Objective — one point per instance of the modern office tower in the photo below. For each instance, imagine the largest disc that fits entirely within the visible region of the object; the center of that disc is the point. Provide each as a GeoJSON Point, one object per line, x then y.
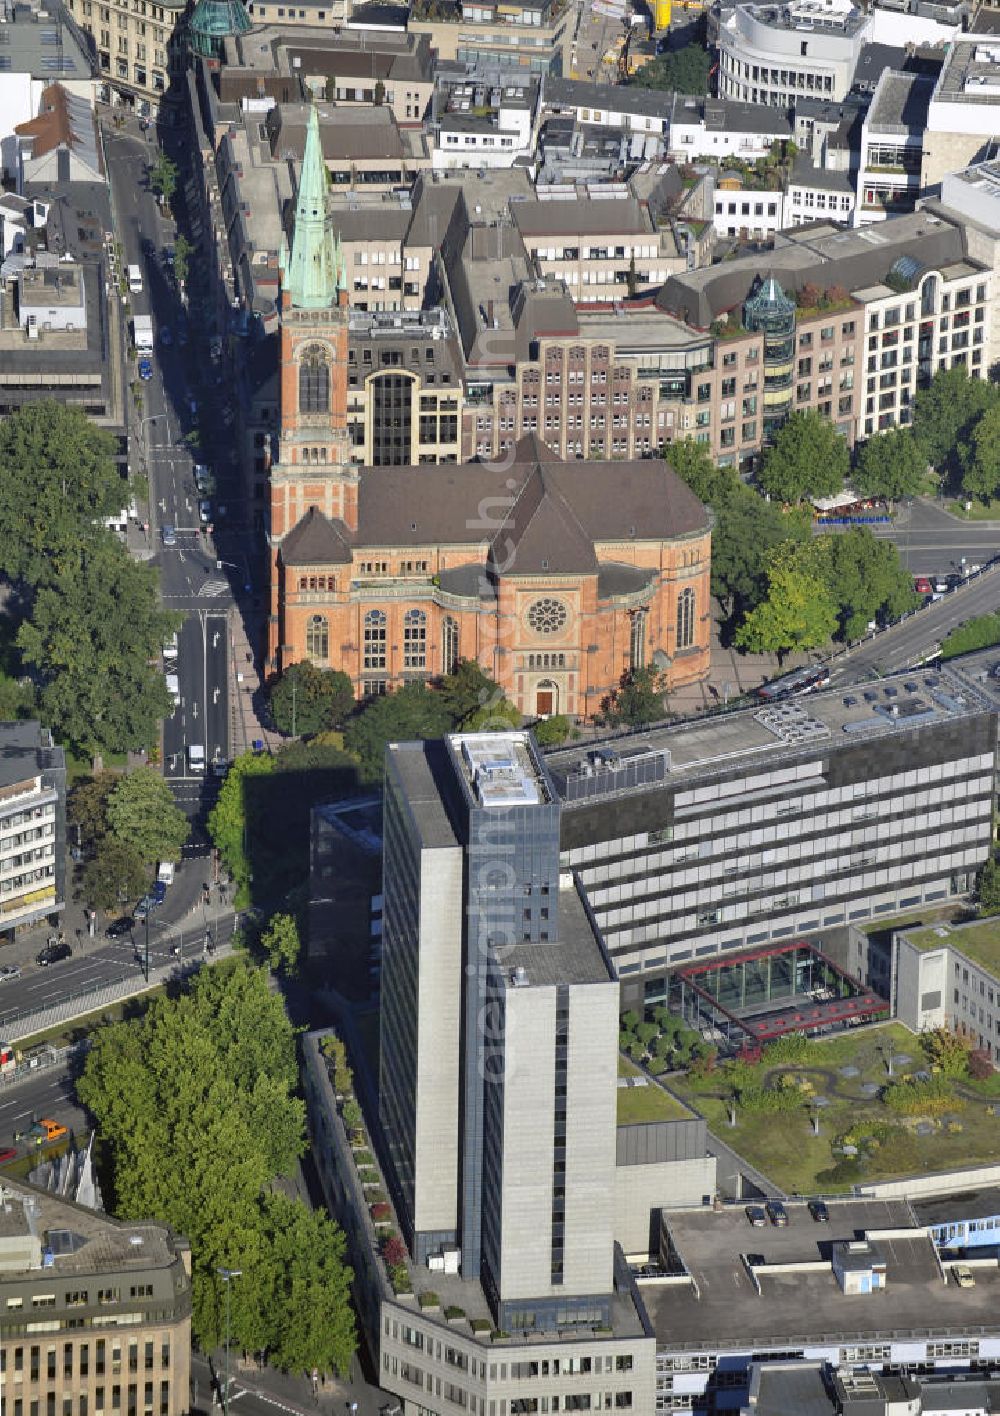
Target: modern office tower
{"type": "Point", "coordinates": [499, 1027]}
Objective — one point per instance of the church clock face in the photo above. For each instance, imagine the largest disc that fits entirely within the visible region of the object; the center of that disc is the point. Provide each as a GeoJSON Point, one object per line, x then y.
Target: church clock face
{"type": "Point", "coordinates": [547, 615]}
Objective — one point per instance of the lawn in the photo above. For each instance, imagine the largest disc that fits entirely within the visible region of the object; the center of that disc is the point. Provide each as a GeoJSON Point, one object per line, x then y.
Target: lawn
{"type": "Point", "coordinates": [979, 511]}
{"type": "Point", "coordinates": [783, 1146]}
{"type": "Point", "coordinates": [648, 1103]}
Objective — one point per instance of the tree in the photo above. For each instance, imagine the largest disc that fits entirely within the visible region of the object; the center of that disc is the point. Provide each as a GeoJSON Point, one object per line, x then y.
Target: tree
{"type": "Point", "coordinates": [114, 875]}
{"type": "Point", "coordinates": [378, 97]}
{"type": "Point", "coordinates": [413, 711]}
{"type": "Point", "coordinates": [496, 717]}
{"type": "Point", "coordinates": [988, 888]}
{"type": "Point", "coordinates": [551, 732]}
{"type": "Point", "coordinates": [632, 279]}
{"type": "Point", "coordinates": [892, 465]}
{"type": "Point", "coordinates": [865, 579]}
{"type": "Point", "coordinates": [17, 699]}
{"type": "Point", "coordinates": [183, 250]}
{"type": "Point", "coordinates": [980, 456]}
{"type": "Point", "coordinates": [57, 483]}
{"type": "Point", "coordinates": [808, 458]}
{"type": "Point", "coordinates": [307, 700]}
{"type": "Point", "coordinates": [947, 1052]}
{"type": "Point", "coordinates": [227, 821]}
{"type": "Point", "coordinates": [797, 613]}
{"type": "Point", "coordinates": [693, 463]}
{"type": "Point", "coordinates": [945, 411]}
{"type": "Point", "coordinates": [141, 812]}
{"type": "Point", "coordinates": [163, 176]}
{"type": "Point", "coordinates": [281, 944]}
{"type": "Point", "coordinates": [982, 632]}
{"type": "Point", "coordinates": [637, 700]}
{"type": "Point", "coordinates": [197, 1107]}
{"type": "Point", "coordinates": [684, 71]}
{"type": "Point", "coordinates": [466, 689]}
{"type": "Point", "coordinates": [87, 807]}
{"type": "Point", "coordinates": [93, 638]}
{"type": "Point", "coordinates": [747, 531]}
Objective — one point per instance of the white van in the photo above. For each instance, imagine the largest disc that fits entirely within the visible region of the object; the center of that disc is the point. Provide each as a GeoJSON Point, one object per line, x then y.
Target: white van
{"type": "Point", "coordinates": [170, 648]}
{"type": "Point", "coordinates": [135, 280]}
{"type": "Point", "coordinates": [165, 872]}
{"type": "Point", "coordinates": [174, 689]}
{"type": "Point", "coordinates": [196, 759]}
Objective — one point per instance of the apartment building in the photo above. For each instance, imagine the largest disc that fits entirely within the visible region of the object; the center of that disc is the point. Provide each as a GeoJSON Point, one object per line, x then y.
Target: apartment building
{"type": "Point", "coordinates": [532, 35]}
{"type": "Point", "coordinates": [633, 110]}
{"type": "Point", "coordinates": [97, 1311]}
{"type": "Point", "coordinates": [817, 194]}
{"type": "Point", "coordinates": [962, 116]}
{"type": "Point", "coordinates": [138, 45]}
{"type": "Point", "coordinates": [774, 54]}
{"type": "Point", "coordinates": [892, 139]}
{"type": "Point", "coordinates": [712, 128]}
{"type": "Point", "coordinates": [947, 976]}
{"type": "Point", "coordinates": [32, 825]}
{"type": "Point", "coordinates": [781, 821]}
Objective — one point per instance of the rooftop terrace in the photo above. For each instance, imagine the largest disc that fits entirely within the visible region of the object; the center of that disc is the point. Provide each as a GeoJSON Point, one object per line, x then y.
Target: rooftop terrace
{"type": "Point", "coordinates": [979, 941]}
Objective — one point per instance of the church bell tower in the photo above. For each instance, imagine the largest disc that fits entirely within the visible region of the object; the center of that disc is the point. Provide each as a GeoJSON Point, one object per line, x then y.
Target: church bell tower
{"type": "Point", "coordinates": [313, 467]}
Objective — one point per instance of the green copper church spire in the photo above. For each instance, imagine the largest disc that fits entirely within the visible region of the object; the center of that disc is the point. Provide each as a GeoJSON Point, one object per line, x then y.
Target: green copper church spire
{"type": "Point", "coordinates": [314, 272]}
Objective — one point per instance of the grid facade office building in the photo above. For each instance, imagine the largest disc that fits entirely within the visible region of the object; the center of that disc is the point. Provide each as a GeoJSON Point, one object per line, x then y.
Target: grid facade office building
{"type": "Point", "coordinates": [499, 1033]}
{"type": "Point", "coordinates": [780, 821]}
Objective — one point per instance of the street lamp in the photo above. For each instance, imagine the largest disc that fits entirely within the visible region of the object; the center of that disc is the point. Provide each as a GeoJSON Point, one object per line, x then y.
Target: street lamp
{"type": "Point", "coordinates": [226, 1274]}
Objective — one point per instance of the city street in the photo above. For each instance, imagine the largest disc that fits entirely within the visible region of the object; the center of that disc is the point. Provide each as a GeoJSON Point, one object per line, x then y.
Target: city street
{"type": "Point", "coordinates": [50, 1093]}
{"type": "Point", "coordinates": [931, 541]}
{"type": "Point", "coordinates": [175, 405]}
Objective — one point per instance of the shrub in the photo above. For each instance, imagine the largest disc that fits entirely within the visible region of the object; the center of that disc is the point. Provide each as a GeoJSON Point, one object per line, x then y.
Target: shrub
{"type": "Point", "coordinates": [793, 1047]}
{"type": "Point", "coordinates": [911, 1096]}
{"type": "Point", "coordinates": [703, 1063]}
{"type": "Point", "coordinates": [380, 1211]}
{"type": "Point", "coordinates": [452, 1313]}
{"type": "Point", "coordinates": [351, 1112]}
{"type": "Point", "coordinates": [646, 1033]}
{"type": "Point", "coordinates": [393, 1251]}
{"type": "Point", "coordinates": [980, 1066]}
{"type": "Point", "coordinates": [429, 1300]}
{"type": "Point", "coordinates": [630, 1020]}
{"type": "Point", "coordinates": [551, 732]}
{"type": "Point", "coordinates": [399, 1277]}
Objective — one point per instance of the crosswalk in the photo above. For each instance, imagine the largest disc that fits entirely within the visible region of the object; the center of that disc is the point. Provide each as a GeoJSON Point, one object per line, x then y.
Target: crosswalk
{"type": "Point", "coordinates": [214, 587]}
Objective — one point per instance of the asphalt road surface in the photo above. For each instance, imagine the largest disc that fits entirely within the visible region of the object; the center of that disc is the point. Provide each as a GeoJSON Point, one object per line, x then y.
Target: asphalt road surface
{"type": "Point", "coordinates": [906, 643]}
{"type": "Point", "coordinates": [98, 962]}
{"type": "Point", "coordinates": [174, 401]}
{"type": "Point", "coordinates": [932, 542]}
{"type": "Point", "coordinates": [50, 1093]}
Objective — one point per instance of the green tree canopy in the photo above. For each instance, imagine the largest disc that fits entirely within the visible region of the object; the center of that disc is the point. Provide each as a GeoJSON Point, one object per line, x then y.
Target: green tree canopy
{"type": "Point", "coordinates": [163, 176]}
{"type": "Point", "coordinates": [684, 70]}
{"type": "Point", "coordinates": [114, 876]}
{"type": "Point", "coordinates": [307, 700]}
{"type": "Point", "coordinates": [892, 465]}
{"type": "Point", "coordinates": [467, 689]}
{"type": "Point", "coordinates": [980, 456]}
{"type": "Point", "coordinates": [196, 1105]}
{"type": "Point", "coordinates": [552, 731]}
{"type": "Point", "coordinates": [57, 483]}
{"type": "Point", "coordinates": [280, 943]}
{"type": "Point", "coordinates": [693, 463]}
{"type": "Point", "coordinates": [747, 531]}
{"type": "Point", "coordinates": [944, 412]}
{"type": "Point", "coordinates": [865, 579]}
{"type": "Point", "coordinates": [988, 888]}
{"type": "Point", "coordinates": [979, 633]}
{"type": "Point", "coordinates": [638, 699]}
{"type": "Point", "coordinates": [227, 821]}
{"type": "Point", "coordinates": [413, 711]}
{"type": "Point", "coordinates": [808, 458]}
{"type": "Point", "coordinates": [797, 613]}
{"type": "Point", "coordinates": [92, 638]}
{"type": "Point", "coordinates": [87, 807]}
{"type": "Point", "coordinates": [141, 812]}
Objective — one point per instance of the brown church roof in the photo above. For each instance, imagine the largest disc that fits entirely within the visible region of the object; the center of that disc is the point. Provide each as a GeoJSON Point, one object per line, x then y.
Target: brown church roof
{"type": "Point", "coordinates": [317, 540]}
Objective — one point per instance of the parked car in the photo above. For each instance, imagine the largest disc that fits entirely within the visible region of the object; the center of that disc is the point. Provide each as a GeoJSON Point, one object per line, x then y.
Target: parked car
{"type": "Point", "coordinates": [777, 1213]}
{"type": "Point", "coordinates": [756, 1216]}
{"type": "Point", "coordinates": [165, 872]}
{"type": "Point", "coordinates": [819, 1211]}
{"type": "Point", "coordinates": [9, 972]}
{"type": "Point", "coordinates": [922, 585]}
{"type": "Point", "coordinates": [143, 907]}
{"type": "Point", "coordinates": [53, 953]}
{"type": "Point", "coordinates": [8, 1153]}
{"type": "Point", "coordinates": [145, 369]}
{"type": "Point", "coordinates": [158, 893]}
{"type": "Point", "coordinates": [120, 927]}
{"type": "Point", "coordinates": [169, 535]}
{"type": "Point", "coordinates": [963, 1276]}
{"type": "Point", "coordinates": [205, 511]}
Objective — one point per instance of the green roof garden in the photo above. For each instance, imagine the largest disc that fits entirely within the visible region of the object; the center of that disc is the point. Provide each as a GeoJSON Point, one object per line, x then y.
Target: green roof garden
{"type": "Point", "coordinates": [979, 942]}
{"type": "Point", "coordinates": [649, 1103]}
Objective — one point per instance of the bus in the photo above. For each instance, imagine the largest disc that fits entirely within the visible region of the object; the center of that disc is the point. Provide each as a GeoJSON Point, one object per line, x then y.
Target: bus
{"type": "Point", "coordinates": [805, 680]}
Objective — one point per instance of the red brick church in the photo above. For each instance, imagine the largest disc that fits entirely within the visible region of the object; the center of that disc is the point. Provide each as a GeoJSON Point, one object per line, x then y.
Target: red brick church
{"type": "Point", "coordinates": [556, 576]}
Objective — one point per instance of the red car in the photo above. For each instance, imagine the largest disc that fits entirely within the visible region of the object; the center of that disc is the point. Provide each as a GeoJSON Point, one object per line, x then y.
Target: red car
{"type": "Point", "coordinates": [923, 586]}
{"type": "Point", "coordinates": [8, 1153]}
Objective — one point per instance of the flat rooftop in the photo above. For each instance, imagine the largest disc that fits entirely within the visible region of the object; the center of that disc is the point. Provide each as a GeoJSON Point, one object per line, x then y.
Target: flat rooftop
{"type": "Point", "coordinates": [575, 957]}
{"type": "Point", "coordinates": [81, 1240]}
{"type": "Point", "coordinates": [971, 72]}
{"type": "Point", "coordinates": [949, 1209]}
{"type": "Point", "coordinates": [978, 941]}
{"type": "Point", "coordinates": [421, 767]}
{"type": "Point", "coordinates": [752, 736]}
{"type": "Point", "coordinates": [724, 1310]}
{"type": "Point", "coordinates": [499, 768]}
